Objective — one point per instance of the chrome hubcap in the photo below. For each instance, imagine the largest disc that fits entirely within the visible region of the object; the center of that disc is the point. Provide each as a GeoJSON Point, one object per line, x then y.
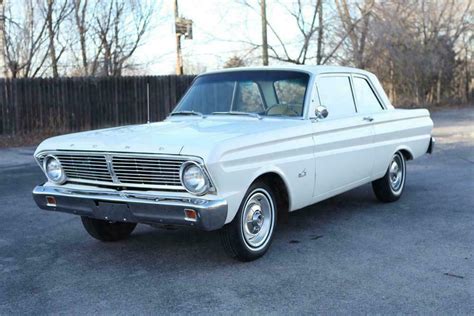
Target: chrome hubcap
{"type": "Point", "coordinates": [396, 173]}
{"type": "Point", "coordinates": [257, 219]}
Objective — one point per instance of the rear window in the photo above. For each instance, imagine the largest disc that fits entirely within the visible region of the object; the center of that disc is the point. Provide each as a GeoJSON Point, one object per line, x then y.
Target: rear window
{"type": "Point", "coordinates": [367, 102]}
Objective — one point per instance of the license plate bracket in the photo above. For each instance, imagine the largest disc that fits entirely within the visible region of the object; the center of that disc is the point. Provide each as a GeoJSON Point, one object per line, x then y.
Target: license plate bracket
{"type": "Point", "coordinates": [116, 212]}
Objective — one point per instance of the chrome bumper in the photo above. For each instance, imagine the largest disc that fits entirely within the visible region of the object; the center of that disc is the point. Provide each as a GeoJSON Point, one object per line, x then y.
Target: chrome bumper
{"type": "Point", "coordinates": [132, 206]}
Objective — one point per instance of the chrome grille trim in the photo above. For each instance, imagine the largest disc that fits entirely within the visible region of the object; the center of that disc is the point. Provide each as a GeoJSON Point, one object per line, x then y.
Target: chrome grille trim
{"type": "Point", "coordinates": [146, 170]}
{"type": "Point", "coordinates": [150, 171]}
{"type": "Point", "coordinates": [89, 167]}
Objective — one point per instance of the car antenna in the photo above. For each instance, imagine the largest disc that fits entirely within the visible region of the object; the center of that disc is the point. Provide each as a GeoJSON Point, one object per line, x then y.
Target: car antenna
{"type": "Point", "coordinates": [148, 103]}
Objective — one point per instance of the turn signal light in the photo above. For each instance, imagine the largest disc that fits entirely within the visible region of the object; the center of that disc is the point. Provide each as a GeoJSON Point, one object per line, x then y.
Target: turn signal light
{"type": "Point", "coordinates": [190, 215]}
{"type": "Point", "coordinates": [51, 201]}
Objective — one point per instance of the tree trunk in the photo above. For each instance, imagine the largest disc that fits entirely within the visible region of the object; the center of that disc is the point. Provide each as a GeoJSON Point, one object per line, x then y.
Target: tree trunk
{"type": "Point", "coordinates": [263, 12]}
{"type": "Point", "coordinates": [438, 87]}
{"type": "Point", "coordinates": [319, 54]}
{"type": "Point", "coordinates": [52, 49]}
{"type": "Point", "coordinates": [80, 21]}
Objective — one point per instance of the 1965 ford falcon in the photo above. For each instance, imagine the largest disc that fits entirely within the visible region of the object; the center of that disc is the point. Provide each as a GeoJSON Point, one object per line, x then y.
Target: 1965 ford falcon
{"type": "Point", "coordinates": [241, 148]}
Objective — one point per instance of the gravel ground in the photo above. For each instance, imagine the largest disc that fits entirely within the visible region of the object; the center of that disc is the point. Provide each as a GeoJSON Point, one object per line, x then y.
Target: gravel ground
{"type": "Point", "coordinates": [349, 254]}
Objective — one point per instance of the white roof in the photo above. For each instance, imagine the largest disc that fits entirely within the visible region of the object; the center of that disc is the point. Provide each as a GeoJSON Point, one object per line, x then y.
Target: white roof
{"type": "Point", "coordinates": [313, 69]}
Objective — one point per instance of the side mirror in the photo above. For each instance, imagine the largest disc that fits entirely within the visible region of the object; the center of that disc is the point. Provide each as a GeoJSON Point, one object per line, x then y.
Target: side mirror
{"type": "Point", "coordinates": [321, 112]}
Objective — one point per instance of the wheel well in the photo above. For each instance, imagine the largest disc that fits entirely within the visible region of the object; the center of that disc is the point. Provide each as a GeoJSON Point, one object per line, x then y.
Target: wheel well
{"type": "Point", "coordinates": [406, 154]}
{"type": "Point", "coordinates": [276, 182]}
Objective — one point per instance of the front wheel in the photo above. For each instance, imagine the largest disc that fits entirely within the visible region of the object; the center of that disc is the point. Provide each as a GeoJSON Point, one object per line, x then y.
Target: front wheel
{"type": "Point", "coordinates": [390, 187]}
{"type": "Point", "coordinates": [107, 231]}
{"type": "Point", "coordinates": [250, 234]}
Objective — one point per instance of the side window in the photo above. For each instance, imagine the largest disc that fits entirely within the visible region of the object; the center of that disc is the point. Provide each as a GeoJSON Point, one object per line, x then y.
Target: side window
{"type": "Point", "coordinates": [367, 102]}
{"type": "Point", "coordinates": [249, 98]}
{"type": "Point", "coordinates": [336, 95]}
{"type": "Point", "coordinates": [290, 91]}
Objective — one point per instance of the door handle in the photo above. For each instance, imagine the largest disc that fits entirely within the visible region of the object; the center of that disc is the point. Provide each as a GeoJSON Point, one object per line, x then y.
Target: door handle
{"type": "Point", "coordinates": [368, 118]}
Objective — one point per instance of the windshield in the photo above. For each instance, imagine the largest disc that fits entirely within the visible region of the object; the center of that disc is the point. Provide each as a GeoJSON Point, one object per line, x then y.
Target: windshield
{"type": "Point", "coordinates": [260, 93]}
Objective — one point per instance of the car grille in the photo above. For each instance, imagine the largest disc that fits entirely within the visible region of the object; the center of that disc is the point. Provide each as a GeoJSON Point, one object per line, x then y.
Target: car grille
{"type": "Point", "coordinates": [124, 170]}
{"type": "Point", "coordinates": [147, 170]}
{"type": "Point", "coordinates": [90, 167]}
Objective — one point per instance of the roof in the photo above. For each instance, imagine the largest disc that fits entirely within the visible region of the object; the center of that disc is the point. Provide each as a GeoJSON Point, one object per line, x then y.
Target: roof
{"type": "Point", "coordinates": [313, 69]}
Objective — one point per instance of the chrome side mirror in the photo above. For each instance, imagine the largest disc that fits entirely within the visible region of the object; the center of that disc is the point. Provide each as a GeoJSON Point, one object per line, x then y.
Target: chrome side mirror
{"type": "Point", "coordinates": [321, 112]}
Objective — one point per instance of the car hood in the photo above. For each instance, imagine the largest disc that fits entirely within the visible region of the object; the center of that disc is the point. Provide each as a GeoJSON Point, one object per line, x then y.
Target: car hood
{"type": "Point", "coordinates": [189, 136]}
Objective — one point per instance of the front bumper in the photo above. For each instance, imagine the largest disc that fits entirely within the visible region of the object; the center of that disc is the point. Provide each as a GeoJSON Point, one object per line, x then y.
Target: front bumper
{"type": "Point", "coordinates": [135, 207]}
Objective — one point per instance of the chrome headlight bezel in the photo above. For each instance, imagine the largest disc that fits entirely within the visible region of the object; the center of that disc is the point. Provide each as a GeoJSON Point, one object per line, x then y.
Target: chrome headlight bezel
{"type": "Point", "coordinates": [207, 187]}
{"type": "Point", "coordinates": [62, 178]}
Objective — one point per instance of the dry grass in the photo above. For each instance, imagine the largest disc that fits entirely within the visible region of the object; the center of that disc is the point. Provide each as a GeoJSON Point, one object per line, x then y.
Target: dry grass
{"type": "Point", "coordinates": [30, 139]}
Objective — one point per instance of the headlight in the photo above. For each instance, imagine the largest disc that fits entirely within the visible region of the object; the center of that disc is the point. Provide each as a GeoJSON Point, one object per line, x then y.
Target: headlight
{"type": "Point", "coordinates": [53, 169]}
{"type": "Point", "coordinates": [194, 179]}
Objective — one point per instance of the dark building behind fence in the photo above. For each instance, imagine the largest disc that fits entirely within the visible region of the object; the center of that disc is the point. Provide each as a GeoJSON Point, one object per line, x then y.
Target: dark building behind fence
{"type": "Point", "coordinates": [73, 104]}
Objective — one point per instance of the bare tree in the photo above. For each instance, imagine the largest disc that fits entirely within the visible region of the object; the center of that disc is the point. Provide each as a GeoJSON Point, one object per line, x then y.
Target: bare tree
{"type": "Point", "coordinates": [304, 15]}
{"type": "Point", "coordinates": [356, 27]}
{"type": "Point", "coordinates": [312, 44]}
{"type": "Point", "coordinates": [416, 48]}
{"type": "Point", "coordinates": [86, 40]}
{"type": "Point", "coordinates": [234, 62]}
{"type": "Point", "coordinates": [51, 37]}
{"type": "Point", "coordinates": [121, 25]}
{"type": "Point", "coordinates": [55, 13]}
{"type": "Point", "coordinates": [24, 39]}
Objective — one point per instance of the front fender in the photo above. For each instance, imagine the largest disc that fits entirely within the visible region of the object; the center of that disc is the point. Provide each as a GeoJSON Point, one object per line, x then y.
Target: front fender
{"type": "Point", "coordinates": [272, 169]}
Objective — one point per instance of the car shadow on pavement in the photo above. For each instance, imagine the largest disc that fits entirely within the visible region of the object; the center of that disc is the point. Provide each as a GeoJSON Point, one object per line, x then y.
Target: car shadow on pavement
{"type": "Point", "coordinates": [175, 247]}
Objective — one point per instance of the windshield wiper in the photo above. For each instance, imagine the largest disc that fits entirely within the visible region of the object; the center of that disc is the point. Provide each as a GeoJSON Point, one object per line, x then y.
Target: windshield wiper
{"type": "Point", "coordinates": [256, 115]}
{"type": "Point", "coordinates": [187, 113]}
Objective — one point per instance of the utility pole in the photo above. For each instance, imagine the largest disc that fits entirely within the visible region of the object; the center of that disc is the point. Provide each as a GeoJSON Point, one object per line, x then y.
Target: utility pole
{"type": "Point", "coordinates": [263, 13]}
{"type": "Point", "coordinates": [179, 57]}
{"type": "Point", "coordinates": [182, 27]}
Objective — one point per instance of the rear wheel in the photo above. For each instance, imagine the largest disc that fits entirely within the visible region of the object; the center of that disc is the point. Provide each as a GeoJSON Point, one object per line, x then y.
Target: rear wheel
{"type": "Point", "coordinates": [250, 234]}
{"type": "Point", "coordinates": [390, 187]}
{"type": "Point", "coordinates": [107, 231]}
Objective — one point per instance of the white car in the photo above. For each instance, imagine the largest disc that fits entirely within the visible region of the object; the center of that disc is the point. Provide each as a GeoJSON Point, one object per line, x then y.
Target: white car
{"type": "Point", "coordinates": [241, 147]}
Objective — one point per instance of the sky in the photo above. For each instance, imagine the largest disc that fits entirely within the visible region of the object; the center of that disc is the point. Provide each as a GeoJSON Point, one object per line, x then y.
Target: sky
{"type": "Point", "coordinates": [220, 30]}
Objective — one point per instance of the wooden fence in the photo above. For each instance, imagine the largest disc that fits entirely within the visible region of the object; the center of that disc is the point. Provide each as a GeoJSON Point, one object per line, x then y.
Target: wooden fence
{"type": "Point", "coordinates": [51, 106]}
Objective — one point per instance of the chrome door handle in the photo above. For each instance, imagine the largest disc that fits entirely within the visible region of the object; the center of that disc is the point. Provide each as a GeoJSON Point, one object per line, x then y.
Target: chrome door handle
{"type": "Point", "coordinates": [368, 118]}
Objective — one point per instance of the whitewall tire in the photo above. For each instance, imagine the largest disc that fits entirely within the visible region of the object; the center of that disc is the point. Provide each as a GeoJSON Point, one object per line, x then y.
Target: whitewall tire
{"type": "Point", "coordinates": [250, 234]}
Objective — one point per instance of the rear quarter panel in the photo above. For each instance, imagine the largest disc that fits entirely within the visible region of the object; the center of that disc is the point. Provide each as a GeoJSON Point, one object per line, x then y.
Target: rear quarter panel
{"type": "Point", "coordinates": [397, 129]}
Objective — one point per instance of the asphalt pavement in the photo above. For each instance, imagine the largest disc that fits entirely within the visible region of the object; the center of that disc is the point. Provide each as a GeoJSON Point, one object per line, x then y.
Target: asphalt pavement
{"type": "Point", "coordinates": [349, 254]}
